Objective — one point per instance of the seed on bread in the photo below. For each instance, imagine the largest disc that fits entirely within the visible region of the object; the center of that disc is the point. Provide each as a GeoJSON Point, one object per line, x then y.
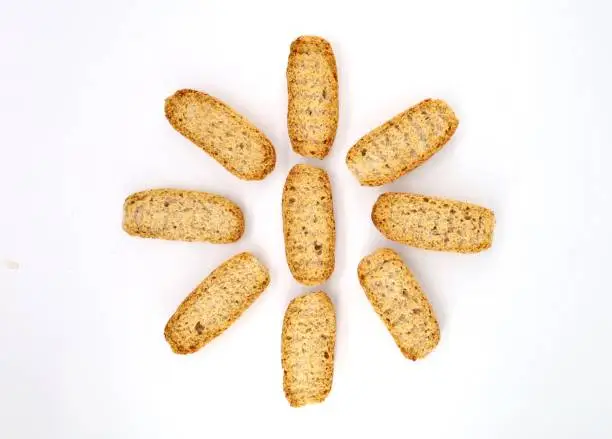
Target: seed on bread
{"type": "Point", "coordinates": [182, 215]}
{"type": "Point", "coordinates": [312, 85]}
{"type": "Point", "coordinates": [220, 131]}
{"type": "Point", "coordinates": [434, 223]}
{"type": "Point", "coordinates": [307, 348]}
{"type": "Point", "coordinates": [399, 301]}
{"type": "Point", "coordinates": [216, 303]}
{"type": "Point", "coordinates": [309, 225]}
{"type": "Point", "coordinates": [402, 143]}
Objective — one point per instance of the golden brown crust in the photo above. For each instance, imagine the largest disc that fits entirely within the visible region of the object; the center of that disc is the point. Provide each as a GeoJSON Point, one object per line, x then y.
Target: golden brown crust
{"type": "Point", "coordinates": [309, 225]}
{"type": "Point", "coordinates": [402, 143]}
{"type": "Point", "coordinates": [399, 301]}
{"type": "Point", "coordinates": [307, 348]}
{"type": "Point", "coordinates": [434, 223]}
{"type": "Point", "coordinates": [182, 215]}
{"type": "Point", "coordinates": [223, 133]}
{"type": "Point", "coordinates": [216, 303]}
{"type": "Point", "coordinates": [312, 85]}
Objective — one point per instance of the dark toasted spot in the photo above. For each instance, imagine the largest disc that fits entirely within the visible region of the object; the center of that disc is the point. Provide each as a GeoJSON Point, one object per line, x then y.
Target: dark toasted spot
{"type": "Point", "coordinates": [199, 328]}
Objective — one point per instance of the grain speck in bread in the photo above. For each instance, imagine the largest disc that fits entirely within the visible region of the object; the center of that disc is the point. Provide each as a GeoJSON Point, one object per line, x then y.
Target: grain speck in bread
{"type": "Point", "coordinates": [182, 215]}
{"type": "Point", "coordinates": [216, 303]}
{"type": "Point", "coordinates": [307, 348]}
{"type": "Point", "coordinates": [309, 225]}
{"type": "Point", "coordinates": [220, 131]}
{"type": "Point", "coordinates": [399, 301]}
{"type": "Point", "coordinates": [312, 85]}
{"type": "Point", "coordinates": [402, 143]}
{"type": "Point", "coordinates": [434, 223]}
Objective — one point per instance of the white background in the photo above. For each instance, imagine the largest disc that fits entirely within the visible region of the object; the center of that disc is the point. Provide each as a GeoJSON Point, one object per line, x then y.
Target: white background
{"type": "Point", "coordinates": [525, 348]}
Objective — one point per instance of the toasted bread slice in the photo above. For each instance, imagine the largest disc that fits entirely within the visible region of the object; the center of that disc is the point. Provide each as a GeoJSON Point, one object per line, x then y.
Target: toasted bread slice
{"type": "Point", "coordinates": [309, 225]}
{"type": "Point", "coordinates": [307, 348]}
{"type": "Point", "coordinates": [399, 301]}
{"type": "Point", "coordinates": [220, 131]}
{"type": "Point", "coordinates": [216, 303]}
{"type": "Point", "coordinates": [182, 215]}
{"type": "Point", "coordinates": [402, 143]}
{"type": "Point", "coordinates": [434, 223]}
{"type": "Point", "coordinates": [312, 84]}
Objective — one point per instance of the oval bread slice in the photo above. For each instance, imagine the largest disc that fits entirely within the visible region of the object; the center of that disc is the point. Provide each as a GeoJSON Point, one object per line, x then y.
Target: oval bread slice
{"type": "Point", "coordinates": [221, 132]}
{"type": "Point", "coordinates": [182, 215]}
{"type": "Point", "coordinates": [216, 303]}
{"type": "Point", "coordinates": [399, 301]}
{"type": "Point", "coordinates": [312, 85]}
{"type": "Point", "coordinates": [434, 223]}
{"type": "Point", "coordinates": [307, 349]}
{"type": "Point", "coordinates": [309, 226]}
{"type": "Point", "coordinates": [402, 143]}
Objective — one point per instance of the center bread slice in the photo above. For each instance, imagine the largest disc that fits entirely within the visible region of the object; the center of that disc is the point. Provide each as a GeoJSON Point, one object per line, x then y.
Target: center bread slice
{"type": "Point", "coordinates": [309, 225]}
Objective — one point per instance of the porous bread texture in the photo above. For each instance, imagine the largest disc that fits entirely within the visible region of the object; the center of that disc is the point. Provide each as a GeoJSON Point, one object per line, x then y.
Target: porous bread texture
{"type": "Point", "coordinates": [307, 348]}
{"type": "Point", "coordinates": [399, 301]}
{"type": "Point", "coordinates": [309, 225]}
{"type": "Point", "coordinates": [313, 105]}
{"type": "Point", "coordinates": [182, 215]}
{"type": "Point", "coordinates": [434, 223]}
{"type": "Point", "coordinates": [221, 132]}
{"type": "Point", "coordinates": [216, 303]}
{"type": "Point", "coordinates": [402, 143]}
